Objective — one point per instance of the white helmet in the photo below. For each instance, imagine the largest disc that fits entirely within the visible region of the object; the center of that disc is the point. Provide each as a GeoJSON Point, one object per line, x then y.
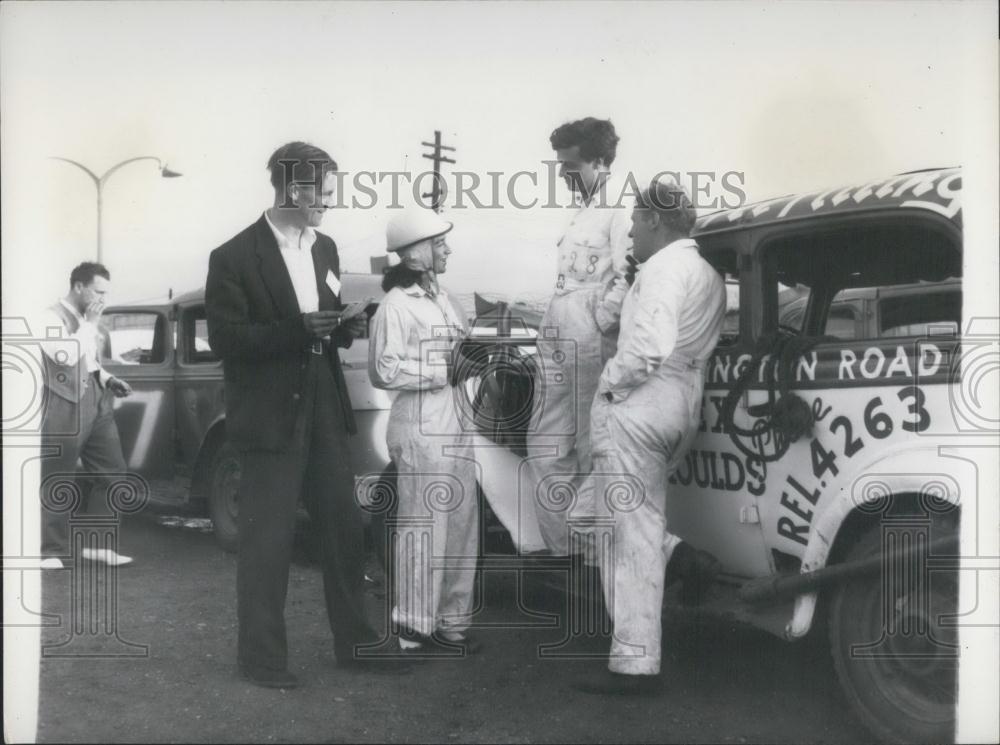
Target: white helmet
{"type": "Point", "coordinates": [413, 225]}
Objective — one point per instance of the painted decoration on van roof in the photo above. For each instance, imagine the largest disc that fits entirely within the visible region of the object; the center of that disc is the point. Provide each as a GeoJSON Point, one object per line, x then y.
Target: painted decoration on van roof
{"type": "Point", "coordinates": [938, 190]}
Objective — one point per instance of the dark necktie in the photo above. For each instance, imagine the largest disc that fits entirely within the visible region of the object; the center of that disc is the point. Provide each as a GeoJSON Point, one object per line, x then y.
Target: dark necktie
{"type": "Point", "coordinates": [631, 269]}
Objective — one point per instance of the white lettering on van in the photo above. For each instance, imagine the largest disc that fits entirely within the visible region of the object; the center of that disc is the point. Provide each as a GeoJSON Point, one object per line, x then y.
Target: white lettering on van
{"type": "Point", "coordinates": [741, 363]}
{"type": "Point", "coordinates": [925, 367]}
{"type": "Point", "coordinates": [900, 363]}
{"type": "Point", "coordinates": [721, 372]}
{"type": "Point", "coordinates": [847, 359]}
{"type": "Point", "coordinates": [806, 368]}
{"type": "Point", "coordinates": [872, 353]}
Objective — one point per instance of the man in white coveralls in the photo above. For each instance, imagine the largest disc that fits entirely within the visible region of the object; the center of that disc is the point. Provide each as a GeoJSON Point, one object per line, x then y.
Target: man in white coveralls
{"type": "Point", "coordinates": [644, 418]}
{"type": "Point", "coordinates": [578, 332]}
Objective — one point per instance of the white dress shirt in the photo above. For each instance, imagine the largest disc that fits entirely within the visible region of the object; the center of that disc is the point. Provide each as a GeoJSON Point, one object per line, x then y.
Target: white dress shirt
{"type": "Point", "coordinates": [673, 313]}
{"type": "Point", "coordinates": [66, 349]}
{"type": "Point", "coordinates": [297, 254]}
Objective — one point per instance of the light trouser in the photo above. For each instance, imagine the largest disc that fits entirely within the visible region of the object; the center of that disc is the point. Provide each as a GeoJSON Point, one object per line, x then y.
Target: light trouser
{"type": "Point", "coordinates": [571, 355]}
{"type": "Point", "coordinates": [638, 443]}
{"type": "Point", "coordinates": [436, 537]}
{"type": "Point", "coordinates": [71, 431]}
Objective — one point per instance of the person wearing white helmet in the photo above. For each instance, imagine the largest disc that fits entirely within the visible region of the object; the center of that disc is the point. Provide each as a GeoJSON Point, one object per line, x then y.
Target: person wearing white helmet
{"type": "Point", "coordinates": [644, 418]}
{"type": "Point", "coordinates": [579, 330]}
{"type": "Point", "coordinates": [413, 338]}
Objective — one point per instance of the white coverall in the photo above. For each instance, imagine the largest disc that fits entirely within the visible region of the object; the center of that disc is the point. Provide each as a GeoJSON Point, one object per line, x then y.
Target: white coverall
{"type": "Point", "coordinates": [670, 323]}
{"type": "Point", "coordinates": [577, 336]}
{"type": "Point", "coordinates": [412, 335]}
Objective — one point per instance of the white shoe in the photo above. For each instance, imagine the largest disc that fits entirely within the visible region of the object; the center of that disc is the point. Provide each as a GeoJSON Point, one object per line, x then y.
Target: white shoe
{"type": "Point", "coordinates": [106, 556]}
{"type": "Point", "coordinates": [51, 562]}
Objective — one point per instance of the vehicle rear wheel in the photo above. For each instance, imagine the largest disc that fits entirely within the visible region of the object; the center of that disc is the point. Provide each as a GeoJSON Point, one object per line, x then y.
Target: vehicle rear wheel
{"type": "Point", "coordinates": [223, 495]}
{"type": "Point", "coordinates": [894, 646]}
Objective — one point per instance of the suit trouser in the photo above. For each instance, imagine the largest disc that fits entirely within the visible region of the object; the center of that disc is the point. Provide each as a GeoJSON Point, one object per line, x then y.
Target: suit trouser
{"type": "Point", "coordinates": [85, 431]}
{"type": "Point", "coordinates": [318, 467]}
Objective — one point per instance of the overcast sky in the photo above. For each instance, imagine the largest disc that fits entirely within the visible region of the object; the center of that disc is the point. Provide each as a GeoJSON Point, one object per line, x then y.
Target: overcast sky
{"type": "Point", "coordinates": [794, 95]}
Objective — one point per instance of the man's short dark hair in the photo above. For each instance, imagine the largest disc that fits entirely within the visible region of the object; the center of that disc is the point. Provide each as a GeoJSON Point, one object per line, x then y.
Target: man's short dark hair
{"type": "Point", "coordinates": [595, 137]}
{"type": "Point", "coordinates": [671, 201]}
{"type": "Point", "coordinates": [301, 163]}
{"type": "Point", "coordinates": [86, 272]}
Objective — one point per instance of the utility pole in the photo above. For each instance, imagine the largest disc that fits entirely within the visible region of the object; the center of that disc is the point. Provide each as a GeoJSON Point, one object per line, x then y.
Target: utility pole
{"type": "Point", "coordinates": [436, 147]}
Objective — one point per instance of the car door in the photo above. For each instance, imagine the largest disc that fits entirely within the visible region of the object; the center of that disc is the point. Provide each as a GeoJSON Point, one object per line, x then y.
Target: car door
{"type": "Point", "coordinates": [139, 348]}
{"type": "Point", "coordinates": [199, 383]}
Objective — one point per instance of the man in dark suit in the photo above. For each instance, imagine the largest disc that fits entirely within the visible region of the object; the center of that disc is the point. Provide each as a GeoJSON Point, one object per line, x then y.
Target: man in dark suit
{"type": "Point", "coordinates": [273, 304]}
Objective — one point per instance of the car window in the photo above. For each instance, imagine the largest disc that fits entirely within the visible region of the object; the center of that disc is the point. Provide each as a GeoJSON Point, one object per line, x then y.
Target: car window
{"type": "Point", "coordinates": [133, 338]}
{"type": "Point", "coordinates": [921, 313]}
{"type": "Point", "coordinates": [196, 347]}
{"type": "Point", "coordinates": [841, 321]}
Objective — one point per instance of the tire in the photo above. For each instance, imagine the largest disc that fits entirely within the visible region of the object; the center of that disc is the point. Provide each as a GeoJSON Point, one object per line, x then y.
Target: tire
{"type": "Point", "coordinates": [899, 698]}
{"type": "Point", "coordinates": [222, 486]}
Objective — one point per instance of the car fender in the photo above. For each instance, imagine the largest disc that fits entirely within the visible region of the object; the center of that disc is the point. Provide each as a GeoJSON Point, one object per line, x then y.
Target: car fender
{"type": "Point", "coordinates": [201, 460]}
{"type": "Point", "coordinates": [906, 469]}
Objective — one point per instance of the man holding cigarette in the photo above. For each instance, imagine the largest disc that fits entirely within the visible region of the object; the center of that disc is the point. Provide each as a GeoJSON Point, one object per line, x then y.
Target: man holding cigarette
{"type": "Point", "coordinates": [275, 318]}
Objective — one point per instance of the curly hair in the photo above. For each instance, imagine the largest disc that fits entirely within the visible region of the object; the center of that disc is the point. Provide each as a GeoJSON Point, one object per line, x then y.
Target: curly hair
{"type": "Point", "coordinates": [595, 137]}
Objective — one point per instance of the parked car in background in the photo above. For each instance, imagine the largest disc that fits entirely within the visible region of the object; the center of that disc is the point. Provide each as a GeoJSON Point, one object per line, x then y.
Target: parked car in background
{"type": "Point", "coordinates": [173, 427]}
{"type": "Point", "coordinates": [918, 309]}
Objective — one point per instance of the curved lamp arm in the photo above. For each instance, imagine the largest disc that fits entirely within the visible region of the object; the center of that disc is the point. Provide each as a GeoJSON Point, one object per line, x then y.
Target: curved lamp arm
{"type": "Point", "coordinates": [99, 181]}
{"type": "Point", "coordinates": [94, 177]}
{"type": "Point", "coordinates": [107, 174]}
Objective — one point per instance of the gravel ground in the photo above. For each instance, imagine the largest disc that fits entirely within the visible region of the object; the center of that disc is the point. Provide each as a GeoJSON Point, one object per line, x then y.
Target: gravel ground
{"type": "Point", "coordinates": [723, 683]}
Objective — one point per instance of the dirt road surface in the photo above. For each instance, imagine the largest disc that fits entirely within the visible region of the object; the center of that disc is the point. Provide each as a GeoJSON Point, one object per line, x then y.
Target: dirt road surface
{"type": "Point", "coordinates": [723, 683]}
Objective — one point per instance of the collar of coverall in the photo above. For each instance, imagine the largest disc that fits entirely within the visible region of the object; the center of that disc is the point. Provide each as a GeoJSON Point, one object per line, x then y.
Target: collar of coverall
{"type": "Point", "coordinates": [416, 290]}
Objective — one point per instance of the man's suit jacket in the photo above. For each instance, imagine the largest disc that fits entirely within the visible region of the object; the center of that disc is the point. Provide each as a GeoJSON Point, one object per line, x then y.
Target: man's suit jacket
{"type": "Point", "coordinates": [255, 326]}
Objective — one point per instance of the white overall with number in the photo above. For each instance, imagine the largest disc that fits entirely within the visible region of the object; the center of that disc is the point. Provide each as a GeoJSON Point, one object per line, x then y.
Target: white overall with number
{"type": "Point", "coordinates": [577, 336]}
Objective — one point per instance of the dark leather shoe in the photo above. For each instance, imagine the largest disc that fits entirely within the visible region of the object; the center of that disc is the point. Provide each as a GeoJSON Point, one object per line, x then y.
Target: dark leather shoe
{"type": "Point", "coordinates": [268, 678]}
{"type": "Point", "coordinates": [695, 569]}
{"type": "Point", "coordinates": [428, 647]}
{"type": "Point", "coordinates": [608, 683]}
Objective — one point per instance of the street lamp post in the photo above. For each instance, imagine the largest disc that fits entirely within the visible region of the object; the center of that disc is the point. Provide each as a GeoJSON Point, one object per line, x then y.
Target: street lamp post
{"type": "Point", "coordinates": [100, 181]}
